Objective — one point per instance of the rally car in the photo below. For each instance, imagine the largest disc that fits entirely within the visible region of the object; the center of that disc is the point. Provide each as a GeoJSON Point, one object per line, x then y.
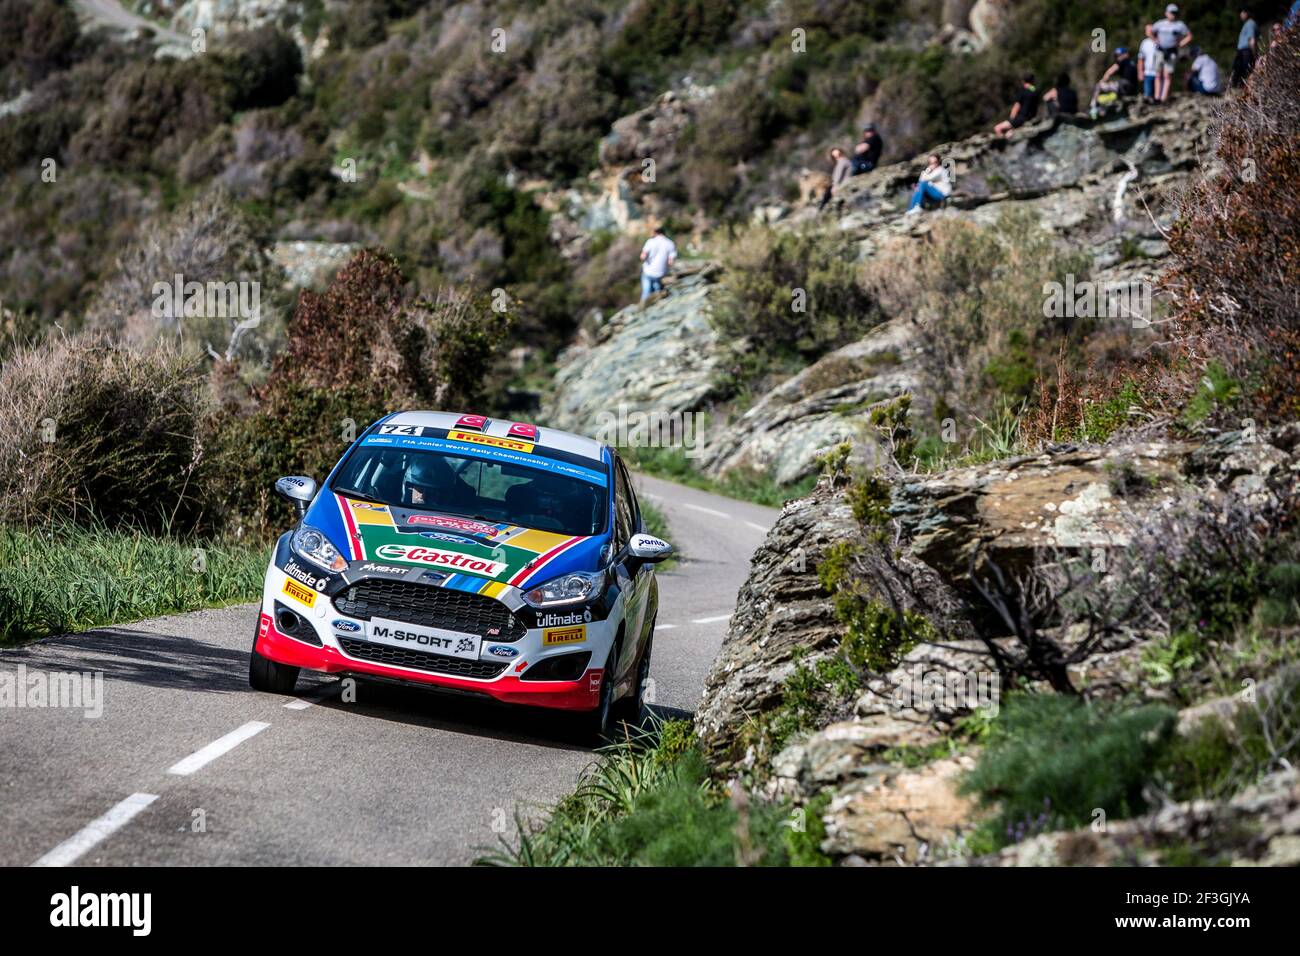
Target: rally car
{"type": "Point", "coordinates": [471, 555]}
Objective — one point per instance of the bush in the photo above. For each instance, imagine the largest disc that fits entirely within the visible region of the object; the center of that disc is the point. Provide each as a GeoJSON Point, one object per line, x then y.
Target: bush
{"type": "Point", "coordinates": [792, 297]}
{"type": "Point", "coordinates": [1236, 247]}
{"type": "Point", "coordinates": [264, 65]}
{"type": "Point", "coordinates": [1051, 761]}
{"type": "Point", "coordinates": [360, 350]}
{"type": "Point", "coordinates": [88, 428]}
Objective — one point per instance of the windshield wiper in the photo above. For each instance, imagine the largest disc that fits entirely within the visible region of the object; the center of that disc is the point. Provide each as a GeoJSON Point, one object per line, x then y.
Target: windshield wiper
{"type": "Point", "coordinates": [351, 493]}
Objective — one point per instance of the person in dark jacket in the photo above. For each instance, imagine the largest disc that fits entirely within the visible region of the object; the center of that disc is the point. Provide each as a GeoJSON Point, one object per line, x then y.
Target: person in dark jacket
{"type": "Point", "coordinates": [1062, 98]}
{"type": "Point", "coordinates": [1023, 109]}
{"type": "Point", "coordinates": [866, 155]}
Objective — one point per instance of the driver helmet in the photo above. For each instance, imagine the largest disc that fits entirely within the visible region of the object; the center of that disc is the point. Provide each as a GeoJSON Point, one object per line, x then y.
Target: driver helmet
{"type": "Point", "coordinates": [424, 477]}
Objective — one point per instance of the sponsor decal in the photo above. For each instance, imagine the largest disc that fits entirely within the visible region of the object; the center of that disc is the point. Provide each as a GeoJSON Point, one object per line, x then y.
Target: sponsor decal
{"type": "Point", "coordinates": [303, 576]}
{"type": "Point", "coordinates": [299, 593]}
{"type": "Point", "coordinates": [593, 679]}
{"type": "Point", "coordinates": [474, 438]}
{"type": "Point", "coordinates": [348, 627]}
{"type": "Point", "coordinates": [413, 431]}
{"type": "Point", "coordinates": [416, 554]}
{"type": "Point", "coordinates": [371, 568]}
{"type": "Point", "coordinates": [433, 577]}
{"type": "Point", "coordinates": [263, 625]}
{"type": "Point", "coordinates": [501, 650]}
{"type": "Point", "coordinates": [428, 638]}
{"type": "Point", "coordinates": [454, 524]}
{"type": "Point", "coordinates": [444, 536]}
{"type": "Point", "coordinates": [366, 506]}
{"type": "Point", "coordinates": [560, 636]}
{"type": "Point", "coordinates": [552, 619]}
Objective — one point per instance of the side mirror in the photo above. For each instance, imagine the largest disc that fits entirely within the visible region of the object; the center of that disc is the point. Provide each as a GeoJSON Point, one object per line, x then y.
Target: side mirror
{"type": "Point", "coordinates": [649, 548]}
{"type": "Point", "coordinates": [297, 488]}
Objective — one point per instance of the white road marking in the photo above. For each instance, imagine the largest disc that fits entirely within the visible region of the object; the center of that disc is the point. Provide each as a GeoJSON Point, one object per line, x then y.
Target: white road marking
{"type": "Point", "coordinates": [758, 527]}
{"type": "Point", "coordinates": [96, 830]}
{"type": "Point", "coordinates": [201, 758]}
{"type": "Point", "coordinates": [300, 703]}
{"type": "Point", "coordinates": [707, 511]}
{"type": "Point", "coordinates": [711, 620]}
{"type": "Point", "coordinates": [664, 627]}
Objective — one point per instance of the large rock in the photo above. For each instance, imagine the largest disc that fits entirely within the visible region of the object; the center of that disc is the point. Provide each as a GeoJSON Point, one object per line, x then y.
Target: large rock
{"type": "Point", "coordinates": [824, 405]}
{"type": "Point", "coordinates": [660, 358]}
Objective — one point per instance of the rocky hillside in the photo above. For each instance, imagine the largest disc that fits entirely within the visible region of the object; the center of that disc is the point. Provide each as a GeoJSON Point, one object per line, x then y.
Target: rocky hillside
{"type": "Point", "coordinates": [987, 567]}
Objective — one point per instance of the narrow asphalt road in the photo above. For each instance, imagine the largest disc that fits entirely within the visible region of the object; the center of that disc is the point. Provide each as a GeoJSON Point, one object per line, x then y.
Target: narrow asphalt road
{"type": "Point", "coordinates": [189, 766]}
{"type": "Point", "coordinates": [112, 14]}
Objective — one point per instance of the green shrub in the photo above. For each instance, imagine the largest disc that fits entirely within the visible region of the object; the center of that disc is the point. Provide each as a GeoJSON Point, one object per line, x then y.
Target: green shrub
{"type": "Point", "coordinates": [792, 296]}
{"type": "Point", "coordinates": [1051, 761]}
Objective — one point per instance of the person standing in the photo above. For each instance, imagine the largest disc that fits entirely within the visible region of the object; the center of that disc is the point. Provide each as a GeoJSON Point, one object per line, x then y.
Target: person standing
{"type": "Point", "coordinates": [1171, 35]}
{"type": "Point", "coordinates": [657, 257]}
{"type": "Point", "coordinates": [1148, 58]}
{"type": "Point", "coordinates": [1247, 49]}
{"type": "Point", "coordinates": [841, 170]}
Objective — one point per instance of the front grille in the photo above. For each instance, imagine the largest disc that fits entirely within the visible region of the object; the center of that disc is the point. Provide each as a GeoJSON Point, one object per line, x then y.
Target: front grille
{"type": "Point", "coordinates": [430, 606]}
{"type": "Point", "coordinates": [420, 660]}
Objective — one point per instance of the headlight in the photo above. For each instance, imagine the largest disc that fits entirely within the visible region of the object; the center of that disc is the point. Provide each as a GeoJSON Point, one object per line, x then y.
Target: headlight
{"type": "Point", "coordinates": [316, 548]}
{"type": "Point", "coordinates": [566, 589]}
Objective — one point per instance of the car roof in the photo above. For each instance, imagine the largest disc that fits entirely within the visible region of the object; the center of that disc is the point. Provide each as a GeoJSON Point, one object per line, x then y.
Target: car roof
{"type": "Point", "coordinates": [547, 439]}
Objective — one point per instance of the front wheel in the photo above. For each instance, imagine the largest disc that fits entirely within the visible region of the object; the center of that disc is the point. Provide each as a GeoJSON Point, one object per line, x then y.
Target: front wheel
{"type": "Point", "coordinates": [631, 709]}
{"type": "Point", "coordinates": [266, 675]}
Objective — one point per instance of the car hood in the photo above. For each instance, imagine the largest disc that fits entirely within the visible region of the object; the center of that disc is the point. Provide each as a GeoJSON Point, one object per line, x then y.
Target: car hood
{"type": "Point", "coordinates": [466, 553]}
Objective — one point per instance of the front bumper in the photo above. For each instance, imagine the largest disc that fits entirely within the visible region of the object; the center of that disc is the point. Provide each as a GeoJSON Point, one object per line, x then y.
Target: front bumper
{"type": "Point", "coordinates": [325, 653]}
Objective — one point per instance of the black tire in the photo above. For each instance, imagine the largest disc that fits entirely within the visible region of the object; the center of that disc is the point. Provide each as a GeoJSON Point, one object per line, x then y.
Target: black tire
{"type": "Point", "coordinates": [266, 675]}
{"type": "Point", "coordinates": [630, 710]}
{"type": "Point", "coordinates": [597, 724]}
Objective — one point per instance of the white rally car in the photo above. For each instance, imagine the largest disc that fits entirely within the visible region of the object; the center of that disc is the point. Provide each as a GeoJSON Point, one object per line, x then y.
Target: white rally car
{"type": "Point", "coordinates": [472, 555]}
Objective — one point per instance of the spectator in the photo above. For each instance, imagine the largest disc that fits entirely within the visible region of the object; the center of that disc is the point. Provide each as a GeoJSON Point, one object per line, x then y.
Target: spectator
{"type": "Point", "coordinates": [1171, 35]}
{"type": "Point", "coordinates": [1204, 78]}
{"type": "Point", "coordinates": [1123, 73]}
{"type": "Point", "coordinates": [1023, 109]}
{"type": "Point", "coordinates": [1148, 60]}
{"type": "Point", "coordinates": [841, 169]}
{"type": "Point", "coordinates": [866, 155]}
{"type": "Point", "coordinates": [657, 257]}
{"type": "Point", "coordinates": [1247, 48]}
{"type": "Point", "coordinates": [1293, 16]}
{"type": "Point", "coordinates": [1062, 98]}
{"type": "Point", "coordinates": [1274, 35]}
{"type": "Point", "coordinates": [935, 184]}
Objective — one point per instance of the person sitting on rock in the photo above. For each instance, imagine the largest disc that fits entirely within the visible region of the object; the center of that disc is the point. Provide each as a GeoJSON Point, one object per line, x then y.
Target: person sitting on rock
{"type": "Point", "coordinates": [1023, 109]}
{"type": "Point", "coordinates": [841, 170]}
{"type": "Point", "coordinates": [935, 184]}
{"type": "Point", "coordinates": [1062, 98]}
{"type": "Point", "coordinates": [657, 257]}
{"type": "Point", "coordinates": [866, 155]}
{"type": "Point", "coordinates": [1120, 79]}
{"type": "Point", "coordinates": [1204, 76]}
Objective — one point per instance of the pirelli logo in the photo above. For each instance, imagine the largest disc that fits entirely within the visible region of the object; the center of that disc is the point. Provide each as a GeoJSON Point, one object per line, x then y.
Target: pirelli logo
{"type": "Point", "coordinates": [473, 438]}
{"type": "Point", "coordinates": [299, 593]}
{"type": "Point", "coordinates": [558, 636]}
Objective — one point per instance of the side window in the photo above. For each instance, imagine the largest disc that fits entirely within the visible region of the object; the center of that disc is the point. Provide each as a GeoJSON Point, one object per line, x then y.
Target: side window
{"type": "Point", "coordinates": [623, 518]}
{"type": "Point", "coordinates": [637, 526]}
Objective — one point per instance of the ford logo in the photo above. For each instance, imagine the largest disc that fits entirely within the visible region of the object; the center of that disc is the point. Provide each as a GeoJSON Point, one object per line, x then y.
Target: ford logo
{"type": "Point", "coordinates": [349, 626]}
{"type": "Point", "coordinates": [501, 651]}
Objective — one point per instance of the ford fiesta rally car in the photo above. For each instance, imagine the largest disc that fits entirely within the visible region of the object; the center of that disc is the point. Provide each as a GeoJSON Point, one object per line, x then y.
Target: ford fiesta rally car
{"type": "Point", "coordinates": [470, 555]}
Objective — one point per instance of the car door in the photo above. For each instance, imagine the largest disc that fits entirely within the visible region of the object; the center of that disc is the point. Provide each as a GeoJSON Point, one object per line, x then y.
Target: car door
{"type": "Point", "coordinates": [631, 573]}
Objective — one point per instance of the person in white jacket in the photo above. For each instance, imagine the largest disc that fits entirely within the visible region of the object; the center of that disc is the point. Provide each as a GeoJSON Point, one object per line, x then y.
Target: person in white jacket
{"type": "Point", "coordinates": [935, 183]}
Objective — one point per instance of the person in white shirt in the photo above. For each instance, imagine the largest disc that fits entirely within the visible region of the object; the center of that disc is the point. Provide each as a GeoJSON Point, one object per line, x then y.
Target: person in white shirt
{"type": "Point", "coordinates": [1171, 35]}
{"type": "Point", "coordinates": [1148, 54]}
{"type": "Point", "coordinates": [657, 257]}
{"type": "Point", "coordinates": [1205, 73]}
{"type": "Point", "coordinates": [935, 183]}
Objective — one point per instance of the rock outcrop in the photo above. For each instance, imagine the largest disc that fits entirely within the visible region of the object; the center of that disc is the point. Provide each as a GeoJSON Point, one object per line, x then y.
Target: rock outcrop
{"type": "Point", "coordinates": [662, 357]}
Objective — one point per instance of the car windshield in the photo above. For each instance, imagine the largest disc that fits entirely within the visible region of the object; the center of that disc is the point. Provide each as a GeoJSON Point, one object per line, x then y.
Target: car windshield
{"type": "Point", "coordinates": [474, 488]}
